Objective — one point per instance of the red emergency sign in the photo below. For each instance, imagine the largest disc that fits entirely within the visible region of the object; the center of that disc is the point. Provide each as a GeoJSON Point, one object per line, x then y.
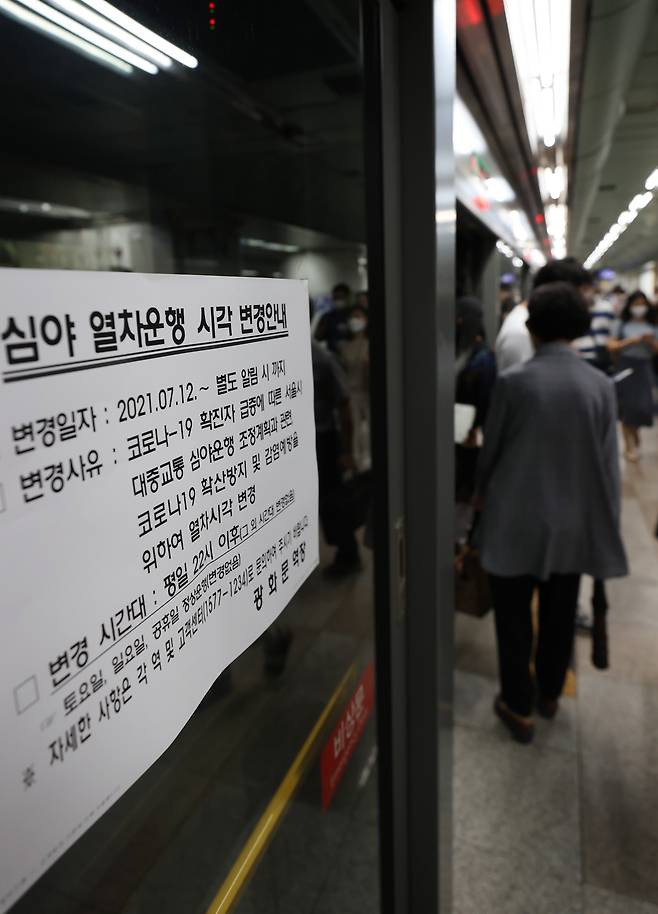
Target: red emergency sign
{"type": "Point", "coordinates": [346, 735]}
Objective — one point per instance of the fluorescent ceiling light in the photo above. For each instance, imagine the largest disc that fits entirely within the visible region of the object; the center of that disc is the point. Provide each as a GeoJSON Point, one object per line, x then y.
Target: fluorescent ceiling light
{"type": "Point", "coordinates": [63, 35]}
{"type": "Point", "coordinates": [101, 24]}
{"type": "Point", "coordinates": [504, 249]}
{"type": "Point", "coordinates": [639, 201]}
{"type": "Point", "coordinates": [136, 28]}
{"type": "Point", "coordinates": [36, 208]}
{"type": "Point", "coordinates": [270, 245]}
{"type": "Point", "coordinates": [539, 33]}
{"type": "Point", "coordinates": [543, 25]}
{"type": "Point", "coordinates": [517, 262]}
{"type": "Point", "coordinates": [652, 180]}
{"type": "Point", "coordinates": [89, 35]}
{"type": "Point", "coordinates": [521, 231]}
{"type": "Point", "coordinates": [629, 215]}
{"type": "Point", "coordinates": [547, 115]}
{"type": "Point", "coordinates": [558, 182]}
{"type": "Point", "coordinates": [552, 181]}
{"type": "Point", "coordinates": [556, 220]}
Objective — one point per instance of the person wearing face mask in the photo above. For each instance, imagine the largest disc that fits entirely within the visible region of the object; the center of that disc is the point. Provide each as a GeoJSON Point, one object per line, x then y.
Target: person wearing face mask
{"type": "Point", "coordinates": [354, 354]}
{"type": "Point", "coordinates": [635, 345]}
{"type": "Point", "coordinates": [332, 327]}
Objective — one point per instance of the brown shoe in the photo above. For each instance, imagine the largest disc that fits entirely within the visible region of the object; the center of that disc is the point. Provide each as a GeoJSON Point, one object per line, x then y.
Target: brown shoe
{"type": "Point", "coordinates": [521, 728]}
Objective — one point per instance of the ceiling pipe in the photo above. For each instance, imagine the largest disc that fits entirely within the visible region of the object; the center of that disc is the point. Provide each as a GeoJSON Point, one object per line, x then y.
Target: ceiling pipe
{"type": "Point", "coordinates": [617, 33]}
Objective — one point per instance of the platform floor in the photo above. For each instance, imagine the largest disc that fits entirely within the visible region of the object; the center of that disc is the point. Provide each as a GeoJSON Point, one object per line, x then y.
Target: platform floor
{"type": "Point", "coordinates": [568, 825]}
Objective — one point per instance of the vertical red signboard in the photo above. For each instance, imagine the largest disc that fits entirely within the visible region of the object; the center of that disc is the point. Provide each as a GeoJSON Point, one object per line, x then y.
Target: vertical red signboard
{"type": "Point", "coordinates": [346, 734]}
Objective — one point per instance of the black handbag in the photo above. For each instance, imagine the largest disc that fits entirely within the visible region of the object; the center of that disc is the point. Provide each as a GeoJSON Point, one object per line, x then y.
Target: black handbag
{"type": "Point", "coordinates": [472, 594]}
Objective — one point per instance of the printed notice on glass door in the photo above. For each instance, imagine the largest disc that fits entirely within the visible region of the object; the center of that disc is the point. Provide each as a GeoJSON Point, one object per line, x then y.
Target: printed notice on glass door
{"type": "Point", "coordinates": [158, 509]}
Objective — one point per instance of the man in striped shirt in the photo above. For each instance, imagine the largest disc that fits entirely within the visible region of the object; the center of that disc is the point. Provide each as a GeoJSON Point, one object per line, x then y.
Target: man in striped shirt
{"type": "Point", "coordinates": [594, 347]}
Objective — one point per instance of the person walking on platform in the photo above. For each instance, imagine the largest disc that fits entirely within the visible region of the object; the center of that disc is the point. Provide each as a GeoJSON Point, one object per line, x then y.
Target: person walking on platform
{"type": "Point", "coordinates": [334, 434]}
{"type": "Point", "coordinates": [354, 355]}
{"type": "Point", "coordinates": [635, 346]}
{"type": "Point", "coordinates": [549, 491]}
{"type": "Point", "coordinates": [332, 326]}
{"type": "Point", "coordinates": [516, 347]}
{"type": "Point", "coordinates": [513, 344]}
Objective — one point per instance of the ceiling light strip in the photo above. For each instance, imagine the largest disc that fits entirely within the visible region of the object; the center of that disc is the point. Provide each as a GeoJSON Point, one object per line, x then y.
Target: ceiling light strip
{"type": "Point", "coordinates": [106, 27]}
{"type": "Point", "coordinates": [539, 33]}
{"type": "Point", "coordinates": [66, 37]}
{"type": "Point", "coordinates": [625, 218]}
{"type": "Point", "coordinates": [89, 35]}
{"type": "Point", "coordinates": [135, 28]}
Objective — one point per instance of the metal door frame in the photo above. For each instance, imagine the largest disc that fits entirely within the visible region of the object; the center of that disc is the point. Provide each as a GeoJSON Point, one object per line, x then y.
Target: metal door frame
{"type": "Point", "coordinates": [409, 62]}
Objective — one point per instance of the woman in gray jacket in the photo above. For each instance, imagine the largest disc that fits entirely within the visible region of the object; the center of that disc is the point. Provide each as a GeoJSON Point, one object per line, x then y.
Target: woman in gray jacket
{"type": "Point", "coordinates": [548, 484]}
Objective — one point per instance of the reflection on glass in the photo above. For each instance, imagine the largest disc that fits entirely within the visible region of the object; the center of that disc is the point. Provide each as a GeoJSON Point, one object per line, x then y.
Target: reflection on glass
{"type": "Point", "coordinates": [250, 163]}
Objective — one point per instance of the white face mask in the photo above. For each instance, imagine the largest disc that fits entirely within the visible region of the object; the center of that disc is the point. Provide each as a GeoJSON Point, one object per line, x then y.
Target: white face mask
{"type": "Point", "coordinates": [356, 324]}
{"type": "Point", "coordinates": [639, 311]}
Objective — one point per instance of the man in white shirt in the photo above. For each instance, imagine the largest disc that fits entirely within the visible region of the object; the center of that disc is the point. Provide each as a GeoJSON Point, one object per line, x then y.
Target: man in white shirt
{"type": "Point", "coordinates": [513, 345]}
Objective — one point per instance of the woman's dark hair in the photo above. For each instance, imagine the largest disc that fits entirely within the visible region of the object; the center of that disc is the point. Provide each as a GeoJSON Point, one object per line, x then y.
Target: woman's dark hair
{"type": "Point", "coordinates": [639, 296]}
{"type": "Point", "coordinates": [470, 324]}
{"type": "Point", "coordinates": [341, 288]}
{"type": "Point", "coordinates": [566, 270]}
{"type": "Point", "coordinates": [557, 311]}
{"type": "Point", "coordinates": [358, 309]}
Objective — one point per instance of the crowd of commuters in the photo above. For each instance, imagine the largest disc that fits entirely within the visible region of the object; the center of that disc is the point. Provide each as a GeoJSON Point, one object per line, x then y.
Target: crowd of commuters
{"type": "Point", "coordinates": [537, 469]}
{"type": "Point", "coordinates": [544, 468]}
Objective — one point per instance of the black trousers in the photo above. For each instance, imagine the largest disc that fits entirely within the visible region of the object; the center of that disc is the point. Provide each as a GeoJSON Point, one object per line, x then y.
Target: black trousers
{"type": "Point", "coordinates": [558, 599]}
{"type": "Point", "coordinates": [336, 528]}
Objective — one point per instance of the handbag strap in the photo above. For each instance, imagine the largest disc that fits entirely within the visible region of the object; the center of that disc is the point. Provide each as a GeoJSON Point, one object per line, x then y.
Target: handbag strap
{"type": "Point", "coordinates": [473, 528]}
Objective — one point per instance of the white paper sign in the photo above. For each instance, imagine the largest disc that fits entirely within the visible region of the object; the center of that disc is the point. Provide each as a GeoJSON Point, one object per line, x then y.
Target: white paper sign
{"type": "Point", "coordinates": [158, 510]}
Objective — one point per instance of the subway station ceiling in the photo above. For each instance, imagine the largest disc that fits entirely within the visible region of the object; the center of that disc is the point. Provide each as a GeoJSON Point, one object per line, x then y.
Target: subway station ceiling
{"type": "Point", "coordinates": [616, 144]}
{"type": "Point", "coordinates": [268, 125]}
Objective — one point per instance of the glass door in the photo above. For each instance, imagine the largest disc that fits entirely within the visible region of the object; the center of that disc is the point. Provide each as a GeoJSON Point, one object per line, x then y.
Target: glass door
{"type": "Point", "coordinates": [244, 155]}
